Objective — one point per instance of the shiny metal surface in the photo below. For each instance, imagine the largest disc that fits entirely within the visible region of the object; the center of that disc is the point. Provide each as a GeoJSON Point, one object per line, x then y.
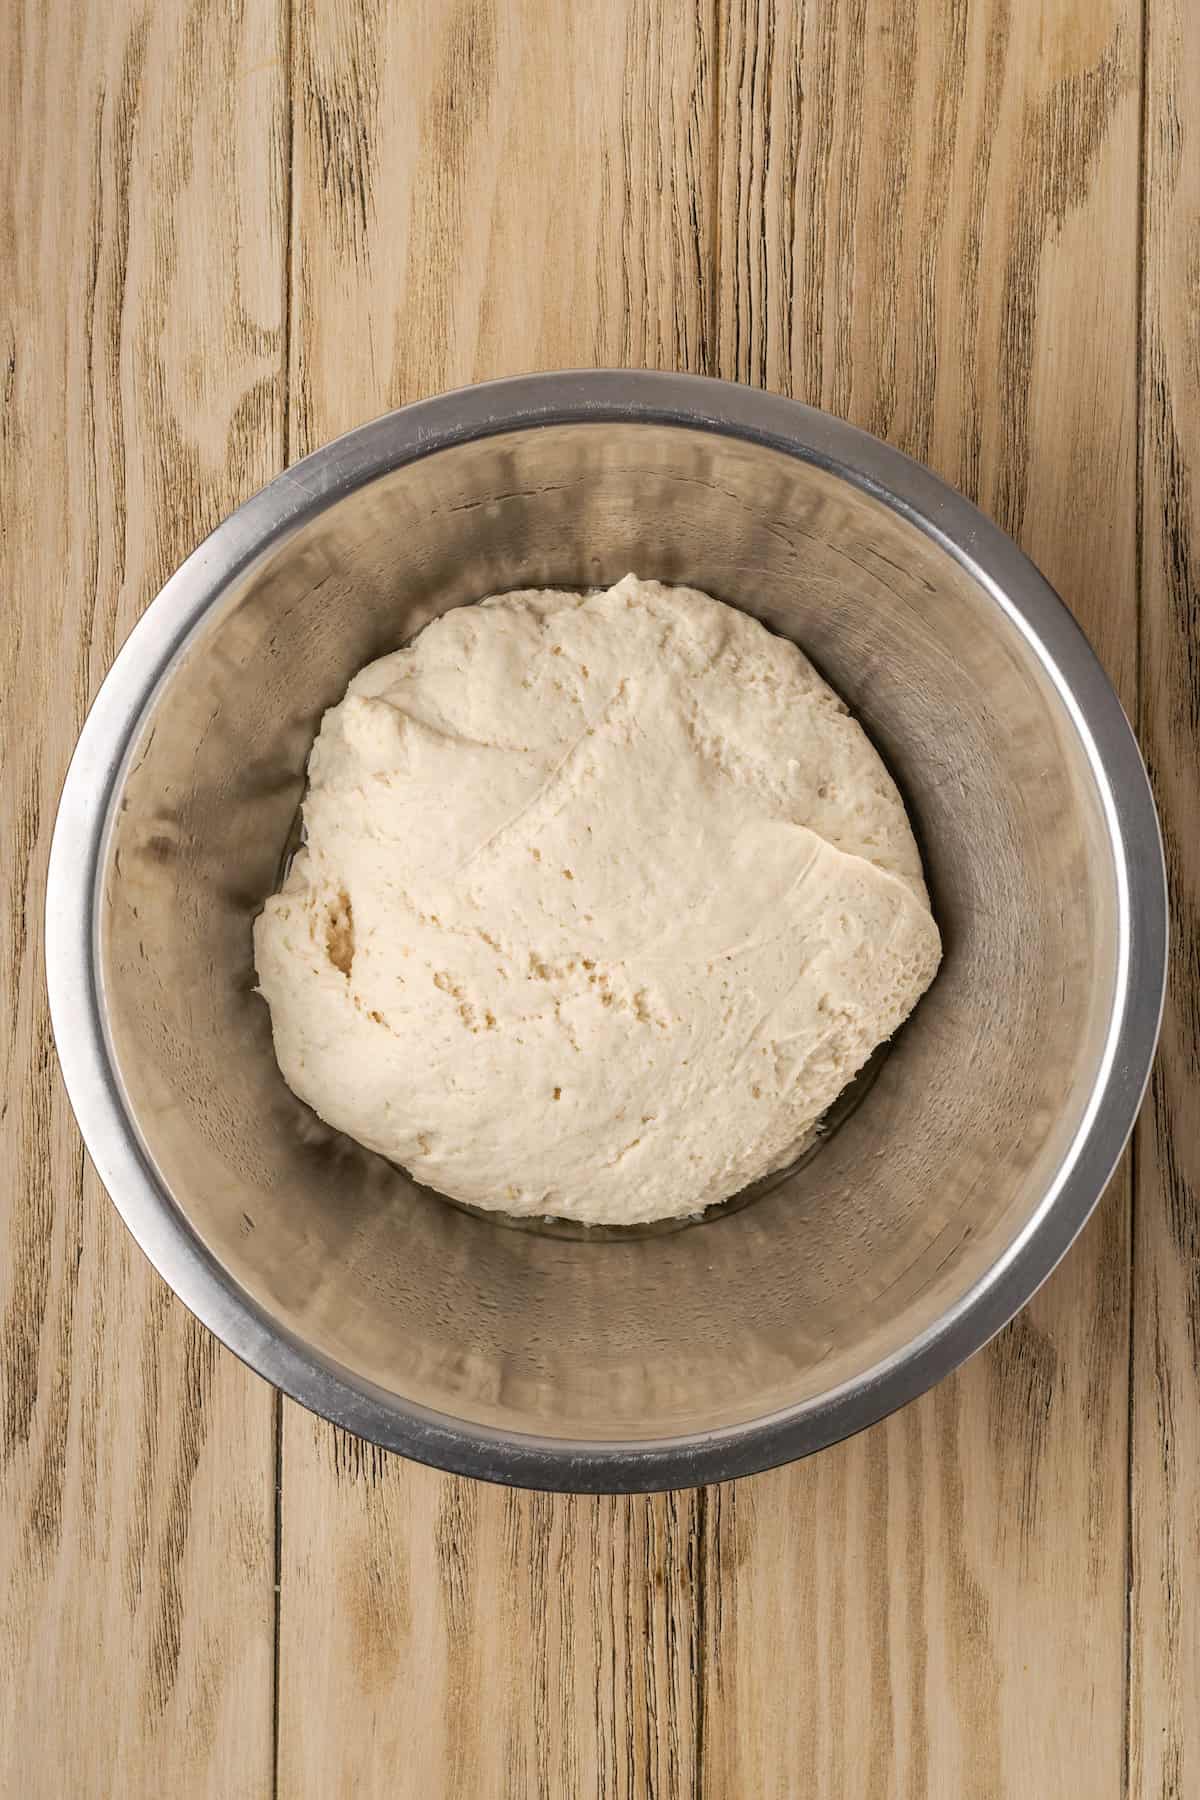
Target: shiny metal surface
{"type": "Point", "coordinates": [940, 1204]}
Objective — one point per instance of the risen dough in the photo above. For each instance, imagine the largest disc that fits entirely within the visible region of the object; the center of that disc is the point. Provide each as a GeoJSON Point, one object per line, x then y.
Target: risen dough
{"type": "Point", "coordinates": [603, 901]}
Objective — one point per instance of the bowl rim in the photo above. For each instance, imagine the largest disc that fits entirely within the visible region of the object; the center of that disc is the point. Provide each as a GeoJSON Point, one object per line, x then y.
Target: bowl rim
{"type": "Point", "coordinates": [160, 638]}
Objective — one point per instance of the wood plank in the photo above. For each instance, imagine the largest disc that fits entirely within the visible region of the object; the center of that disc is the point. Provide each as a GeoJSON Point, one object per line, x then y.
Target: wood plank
{"type": "Point", "coordinates": [482, 189]}
{"type": "Point", "coordinates": [485, 189]}
{"type": "Point", "coordinates": [470, 1640]}
{"type": "Point", "coordinates": [1165, 1623]}
{"type": "Point", "coordinates": [929, 223]}
{"type": "Point", "coordinates": [142, 362]}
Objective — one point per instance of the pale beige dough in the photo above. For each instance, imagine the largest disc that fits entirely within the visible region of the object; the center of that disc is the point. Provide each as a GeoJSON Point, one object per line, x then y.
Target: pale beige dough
{"type": "Point", "coordinates": [603, 901]}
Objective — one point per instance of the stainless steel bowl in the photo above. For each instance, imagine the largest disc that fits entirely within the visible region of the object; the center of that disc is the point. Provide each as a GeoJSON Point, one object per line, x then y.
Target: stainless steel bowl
{"type": "Point", "coordinates": [927, 1219]}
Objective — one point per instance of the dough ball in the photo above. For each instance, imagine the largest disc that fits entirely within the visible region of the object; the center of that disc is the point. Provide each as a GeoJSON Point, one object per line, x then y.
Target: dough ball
{"type": "Point", "coordinates": [603, 900]}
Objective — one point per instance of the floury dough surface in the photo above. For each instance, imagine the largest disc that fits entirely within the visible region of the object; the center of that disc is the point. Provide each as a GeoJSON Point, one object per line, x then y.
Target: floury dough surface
{"type": "Point", "coordinates": [603, 901]}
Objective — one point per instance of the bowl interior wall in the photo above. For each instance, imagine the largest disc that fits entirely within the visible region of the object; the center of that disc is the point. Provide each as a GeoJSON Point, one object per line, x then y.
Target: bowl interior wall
{"type": "Point", "coordinates": [925, 1186]}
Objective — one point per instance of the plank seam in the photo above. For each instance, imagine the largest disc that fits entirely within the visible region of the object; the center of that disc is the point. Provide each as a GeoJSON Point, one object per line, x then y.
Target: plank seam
{"type": "Point", "coordinates": [711, 357]}
{"type": "Point", "coordinates": [1138, 679]}
{"type": "Point", "coordinates": [278, 1593]}
{"type": "Point", "coordinates": [708, 1561]}
{"type": "Point", "coordinates": [289, 185]}
{"type": "Point", "coordinates": [289, 114]}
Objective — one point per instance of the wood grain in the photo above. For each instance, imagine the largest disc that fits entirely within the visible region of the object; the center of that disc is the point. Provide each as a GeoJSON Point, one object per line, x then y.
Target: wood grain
{"type": "Point", "coordinates": [922, 207]}
{"type": "Point", "coordinates": [1165, 1622]}
{"type": "Point", "coordinates": [230, 231]}
{"type": "Point", "coordinates": [484, 188]}
{"type": "Point", "coordinates": [470, 1640]}
{"type": "Point", "coordinates": [142, 398]}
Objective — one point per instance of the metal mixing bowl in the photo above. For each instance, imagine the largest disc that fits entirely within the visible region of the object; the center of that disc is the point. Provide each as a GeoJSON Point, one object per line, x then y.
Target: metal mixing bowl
{"type": "Point", "coordinates": [928, 1217]}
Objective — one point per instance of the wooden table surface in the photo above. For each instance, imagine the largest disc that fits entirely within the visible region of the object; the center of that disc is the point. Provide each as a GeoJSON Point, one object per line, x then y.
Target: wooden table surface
{"type": "Point", "coordinates": [233, 228]}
